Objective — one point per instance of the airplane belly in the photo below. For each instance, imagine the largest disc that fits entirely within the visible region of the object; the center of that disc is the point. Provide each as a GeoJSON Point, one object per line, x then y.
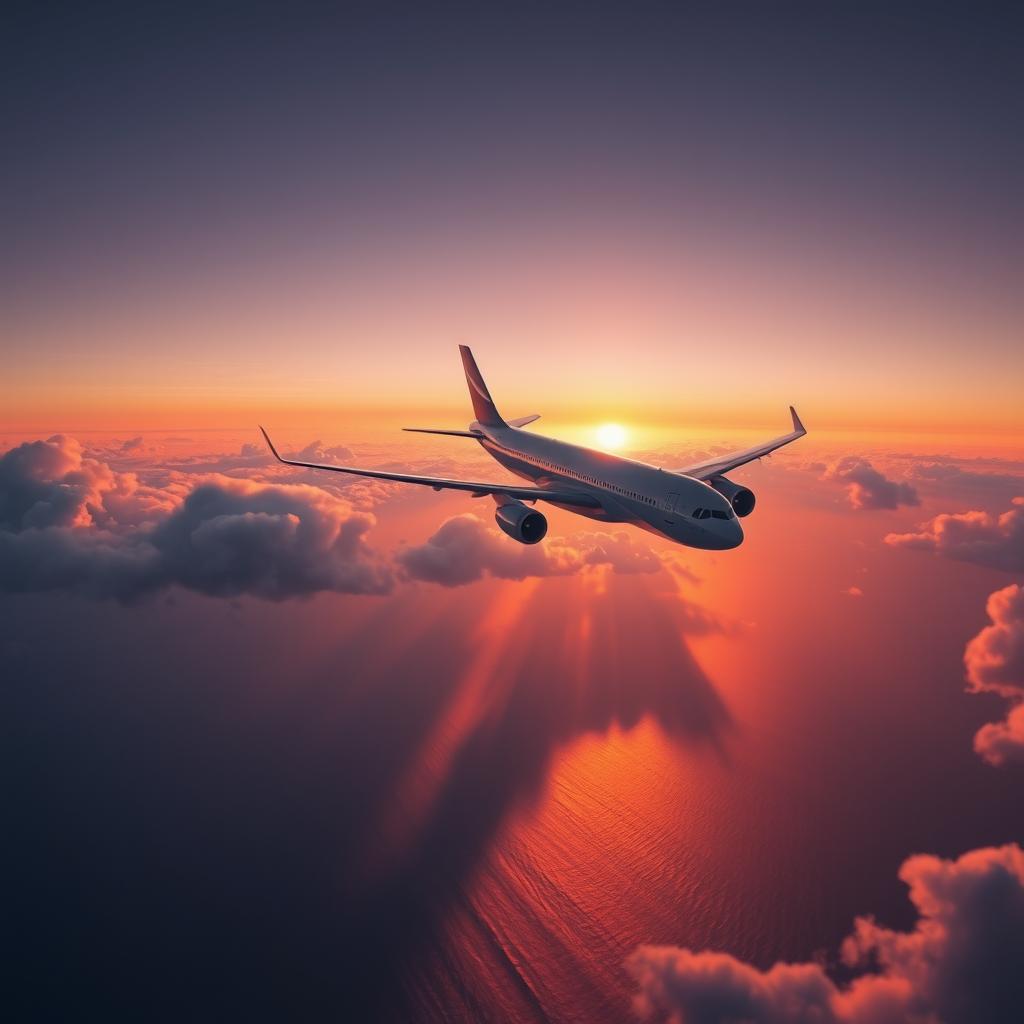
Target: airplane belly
{"type": "Point", "coordinates": [604, 515]}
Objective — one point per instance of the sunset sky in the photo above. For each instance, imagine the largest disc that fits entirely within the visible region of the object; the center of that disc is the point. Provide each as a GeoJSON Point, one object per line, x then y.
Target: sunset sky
{"type": "Point", "coordinates": [285, 746]}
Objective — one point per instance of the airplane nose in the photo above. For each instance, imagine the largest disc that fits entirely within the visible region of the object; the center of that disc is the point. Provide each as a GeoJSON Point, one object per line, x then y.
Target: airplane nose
{"type": "Point", "coordinates": [732, 535]}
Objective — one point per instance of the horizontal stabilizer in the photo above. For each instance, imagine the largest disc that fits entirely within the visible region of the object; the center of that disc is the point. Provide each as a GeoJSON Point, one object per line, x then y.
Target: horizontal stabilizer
{"type": "Point", "coordinates": [431, 430]}
{"type": "Point", "coordinates": [523, 420]}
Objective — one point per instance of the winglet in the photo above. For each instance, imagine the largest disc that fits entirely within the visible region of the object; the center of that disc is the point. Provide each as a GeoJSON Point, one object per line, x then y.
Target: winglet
{"type": "Point", "coordinates": [797, 425]}
{"type": "Point", "coordinates": [270, 444]}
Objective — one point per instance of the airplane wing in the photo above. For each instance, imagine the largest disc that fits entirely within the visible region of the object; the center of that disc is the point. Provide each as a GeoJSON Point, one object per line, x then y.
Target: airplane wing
{"type": "Point", "coordinates": [438, 430]}
{"type": "Point", "coordinates": [439, 483]}
{"type": "Point", "coordinates": [725, 463]}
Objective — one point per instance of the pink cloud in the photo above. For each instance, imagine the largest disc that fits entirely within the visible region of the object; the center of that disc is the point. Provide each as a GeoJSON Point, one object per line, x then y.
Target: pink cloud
{"type": "Point", "coordinates": [1002, 742]}
{"type": "Point", "coordinates": [996, 541]}
{"type": "Point", "coordinates": [74, 523]}
{"type": "Point", "coordinates": [994, 660]}
{"type": "Point", "coordinates": [867, 488]}
{"type": "Point", "coordinates": [316, 451]}
{"type": "Point", "coordinates": [959, 963]}
{"type": "Point", "coordinates": [53, 483]}
{"type": "Point", "coordinates": [464, 548]}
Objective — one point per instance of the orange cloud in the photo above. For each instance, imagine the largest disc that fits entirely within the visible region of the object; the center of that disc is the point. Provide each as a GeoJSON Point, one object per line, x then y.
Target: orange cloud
{"type": "Point", "coordinates": [464, 549]}
{"type": "Point", "coordinates": [73, 523]}
{"type": "Point", "coordinates": [979, 537]}
{"type": "Point", "coordinates": [995, 664]}
{"type": "Point", "coordinates": [867, 488]}
{"type": "Point", "coordinates": [959, 963]}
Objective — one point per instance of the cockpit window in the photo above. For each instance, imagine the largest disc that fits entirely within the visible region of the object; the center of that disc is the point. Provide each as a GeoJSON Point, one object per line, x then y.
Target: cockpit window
{"type": "Point", "coordinates": [712, 513]}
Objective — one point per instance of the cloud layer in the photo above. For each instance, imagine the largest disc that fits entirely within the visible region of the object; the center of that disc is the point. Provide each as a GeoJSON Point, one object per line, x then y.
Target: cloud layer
{"type": "Point", "coordinates": [52, 483]}
{"type": "Point", "coordinates": [959, 965]}
{"type": "Point", "coordinates": [996, 541]}
{"type": "Point", "coordinates": [464, 549]}
{"type": "Point", "coordinates": [995, 664]}
{"type": "Point", "coordinates": [867, 488]}
{"type": "Point", "coordinates": [976, 476]}
{"type": "Point", "coordinates": [71, 522]}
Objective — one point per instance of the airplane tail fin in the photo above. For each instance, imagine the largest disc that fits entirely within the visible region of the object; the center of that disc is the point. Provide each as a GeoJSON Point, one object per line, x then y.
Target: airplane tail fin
{"type": "Point", "coordinates": [483, 405]}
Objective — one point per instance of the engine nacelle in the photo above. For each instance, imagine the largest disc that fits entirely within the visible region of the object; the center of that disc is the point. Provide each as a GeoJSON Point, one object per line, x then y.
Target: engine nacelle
{"type": "Point", "coordinates": [741, 498]}
{"type": "Point", "coordinates": [523, 524]}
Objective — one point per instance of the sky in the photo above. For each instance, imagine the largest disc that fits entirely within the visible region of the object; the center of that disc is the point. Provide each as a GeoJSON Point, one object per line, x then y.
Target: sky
{"type": "Point", "coordinates": [210, 217]}
{"type": "Point", "coordinates": [278, 744]}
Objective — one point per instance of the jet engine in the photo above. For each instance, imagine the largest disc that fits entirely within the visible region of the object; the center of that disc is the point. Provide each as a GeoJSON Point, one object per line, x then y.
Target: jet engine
{"type": "Point", "coordinates": [741, 498]}
{"type": "Point", "coordinates": [523, 524]}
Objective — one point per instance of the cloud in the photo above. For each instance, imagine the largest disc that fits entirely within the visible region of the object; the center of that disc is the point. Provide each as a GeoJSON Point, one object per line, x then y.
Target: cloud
{"type": "Point", "coordinates": [867, 488]}
{"type": "Point", "coordinates": [996, 541]}
{"type": "Point", "coordinates": [853, 592]}
{"type": "Point", "coordinates": [994, 660]}
{"type": "Point", "coordinates": [52, 483]}
{"type": "Point", "coordinates": [273, 541]}
{"type": "Point", "coordinates": [960, 963]}
{"type": "Point", "coordinates": [618, 551]}
{"type": "Point", "coordinates": [949, 475]}
{"type": "Point", "coordinates": [42, 484]}
{"type": "Point", "coordinates": [976, 462]}
{"type": "Point", "coordinates": [995, 657]}
{"type": "Point", "coordinates": [69, 522]}
{"type": "Point", "coordinates": [254, 461]}
{"type": "Point", "coordinates": [316, 452]}
{"type": "Point", "coordinates": [1002, 742]}
{"type": "Point", "coordinates": [465, 549]}
{"type": "Point", "coordinates": [248, 458]}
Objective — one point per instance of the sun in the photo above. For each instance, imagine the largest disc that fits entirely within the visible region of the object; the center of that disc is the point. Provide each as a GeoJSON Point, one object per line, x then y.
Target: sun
{"type": "Point", "coordinates": [611, 435]}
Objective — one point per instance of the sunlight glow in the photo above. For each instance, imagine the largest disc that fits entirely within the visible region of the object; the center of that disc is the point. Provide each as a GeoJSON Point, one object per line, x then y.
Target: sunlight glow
{"type": "Point", "coordinates": [611, 436]}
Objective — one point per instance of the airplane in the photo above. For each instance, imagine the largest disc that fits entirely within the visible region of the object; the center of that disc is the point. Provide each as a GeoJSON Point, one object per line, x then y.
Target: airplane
{"type": "Point", "coordinates": [696, 506]}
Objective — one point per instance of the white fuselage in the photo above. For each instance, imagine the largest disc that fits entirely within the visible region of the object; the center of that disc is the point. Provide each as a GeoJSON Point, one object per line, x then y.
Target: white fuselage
{"type": "Point", "coordinates": [633, 492]}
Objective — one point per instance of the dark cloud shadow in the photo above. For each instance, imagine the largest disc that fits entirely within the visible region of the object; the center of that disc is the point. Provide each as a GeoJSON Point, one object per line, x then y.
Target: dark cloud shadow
{"type": "Point", "coordinates": [198, 826]}
{"type": "Point", "coordinates": [628, 663]}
